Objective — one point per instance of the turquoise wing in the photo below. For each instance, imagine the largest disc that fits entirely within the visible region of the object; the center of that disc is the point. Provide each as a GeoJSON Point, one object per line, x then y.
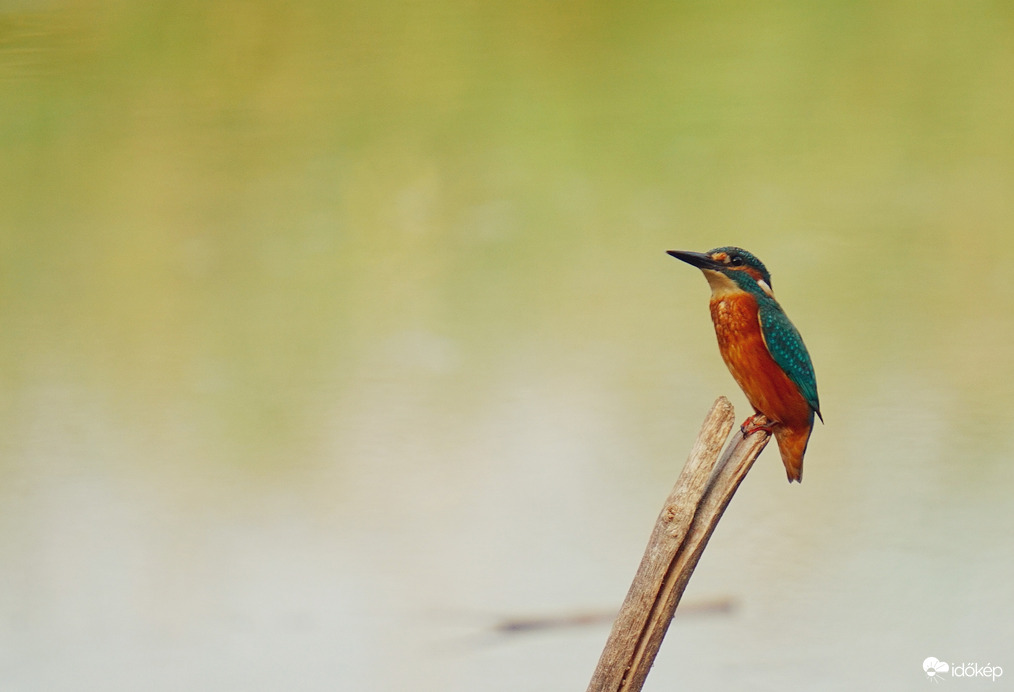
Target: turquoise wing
{"type": "Point", "coordinates": [787, 348]}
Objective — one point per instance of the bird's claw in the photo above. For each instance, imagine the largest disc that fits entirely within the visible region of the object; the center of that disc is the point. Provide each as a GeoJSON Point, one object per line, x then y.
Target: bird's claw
{"type": "Point", "coordinates": [756, 422]}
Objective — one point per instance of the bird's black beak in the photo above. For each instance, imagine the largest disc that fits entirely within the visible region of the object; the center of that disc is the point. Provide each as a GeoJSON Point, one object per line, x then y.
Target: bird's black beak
{"type": "Point", "coordinates": [697, 259]}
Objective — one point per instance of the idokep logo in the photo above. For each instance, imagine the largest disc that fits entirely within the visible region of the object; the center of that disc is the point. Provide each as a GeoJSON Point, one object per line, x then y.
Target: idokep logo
{"type": "Point", "coordinates": [936, 669]}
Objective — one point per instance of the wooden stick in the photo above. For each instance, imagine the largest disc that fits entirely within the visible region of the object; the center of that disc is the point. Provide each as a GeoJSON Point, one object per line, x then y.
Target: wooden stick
{"type": "Point", "coordinates": [535, 623]}
{"type": "Point", "coordinates": [686, 522]}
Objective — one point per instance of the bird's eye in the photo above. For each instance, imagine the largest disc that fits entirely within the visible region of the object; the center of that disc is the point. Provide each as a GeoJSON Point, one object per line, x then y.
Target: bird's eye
{"type": "Point", "coordinates": [736, 261]}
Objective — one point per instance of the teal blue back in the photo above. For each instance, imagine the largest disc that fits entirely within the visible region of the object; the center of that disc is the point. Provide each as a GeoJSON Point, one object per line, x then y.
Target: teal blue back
{"type": "Point", "coordinates": [783, 340]}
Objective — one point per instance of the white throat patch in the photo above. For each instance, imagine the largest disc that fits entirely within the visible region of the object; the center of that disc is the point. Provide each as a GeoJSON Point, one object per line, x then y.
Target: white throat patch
{"type": "Point", "coordinates": [721, 285]}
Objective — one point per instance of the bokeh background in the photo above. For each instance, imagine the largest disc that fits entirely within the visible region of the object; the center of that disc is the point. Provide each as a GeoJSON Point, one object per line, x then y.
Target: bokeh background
{"type": "Point", "coordinates": [335, 335]}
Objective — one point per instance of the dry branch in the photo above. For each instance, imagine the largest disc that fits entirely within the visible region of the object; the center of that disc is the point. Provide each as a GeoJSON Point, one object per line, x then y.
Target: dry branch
{"type": "Point", "coordinates": [686, 522]}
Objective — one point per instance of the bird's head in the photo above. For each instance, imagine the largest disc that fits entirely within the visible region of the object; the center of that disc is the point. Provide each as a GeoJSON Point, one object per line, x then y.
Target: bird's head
{"type": "Point", "coordinates": [729, 269]}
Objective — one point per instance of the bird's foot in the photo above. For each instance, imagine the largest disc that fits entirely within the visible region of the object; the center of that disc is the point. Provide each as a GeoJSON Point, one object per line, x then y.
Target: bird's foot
{"type": "Point", "coordinates": [756, 422]}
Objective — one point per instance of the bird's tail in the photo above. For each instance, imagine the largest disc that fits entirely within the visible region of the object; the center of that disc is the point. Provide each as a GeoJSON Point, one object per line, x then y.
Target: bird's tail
{"type": "Point", "coordinates": [792, 444]}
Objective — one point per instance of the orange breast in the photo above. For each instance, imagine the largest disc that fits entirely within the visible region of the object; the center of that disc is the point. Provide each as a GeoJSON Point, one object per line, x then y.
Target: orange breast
{"type": "Point", "coordinates": [767, 387]}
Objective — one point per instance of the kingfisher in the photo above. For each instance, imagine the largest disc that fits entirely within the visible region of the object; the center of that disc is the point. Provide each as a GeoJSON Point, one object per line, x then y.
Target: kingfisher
{"type": "Point", "coordinates": [762, 348]}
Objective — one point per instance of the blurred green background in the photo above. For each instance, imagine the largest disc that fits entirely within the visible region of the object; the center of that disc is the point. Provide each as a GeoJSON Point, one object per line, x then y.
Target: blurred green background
{"type": "Point", "coordinates": [334, 332]}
